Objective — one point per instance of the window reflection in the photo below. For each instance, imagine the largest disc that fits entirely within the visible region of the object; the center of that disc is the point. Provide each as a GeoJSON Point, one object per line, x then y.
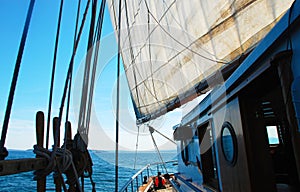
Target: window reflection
{"type": "Point", "coordinates": [228, 141]}
{"type": "Point", "coordinates": [273, 135]}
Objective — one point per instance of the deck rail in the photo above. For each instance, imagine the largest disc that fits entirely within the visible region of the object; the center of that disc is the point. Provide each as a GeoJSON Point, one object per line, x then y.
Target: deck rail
{"type": "Point", "coordinates": [134, 182]}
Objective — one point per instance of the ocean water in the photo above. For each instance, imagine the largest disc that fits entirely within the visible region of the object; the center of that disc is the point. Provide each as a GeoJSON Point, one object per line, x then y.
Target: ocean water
{"type": "Point", "coordinates": [103, 170]}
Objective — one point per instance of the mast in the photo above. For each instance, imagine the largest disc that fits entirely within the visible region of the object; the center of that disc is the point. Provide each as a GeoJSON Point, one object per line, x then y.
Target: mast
{"type": "Point", "coordinates": [118, 100]}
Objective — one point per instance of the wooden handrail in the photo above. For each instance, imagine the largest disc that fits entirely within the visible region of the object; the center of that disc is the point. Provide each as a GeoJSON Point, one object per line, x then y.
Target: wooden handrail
{"type": "Point", "coordinates": [14, 166]}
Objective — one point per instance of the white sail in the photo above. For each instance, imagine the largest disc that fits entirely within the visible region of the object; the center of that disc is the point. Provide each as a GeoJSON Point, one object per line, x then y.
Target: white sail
{"type": "Point", "coordinates": [169, 46]}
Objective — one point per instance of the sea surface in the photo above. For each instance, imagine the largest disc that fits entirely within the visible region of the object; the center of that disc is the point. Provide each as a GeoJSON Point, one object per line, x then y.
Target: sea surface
{"type": "Point", "coordinates": [103, 170]}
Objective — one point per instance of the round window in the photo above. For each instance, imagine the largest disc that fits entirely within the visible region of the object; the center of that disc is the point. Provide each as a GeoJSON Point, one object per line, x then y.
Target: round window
{"type": "Point", "coordinates": [229, 143]}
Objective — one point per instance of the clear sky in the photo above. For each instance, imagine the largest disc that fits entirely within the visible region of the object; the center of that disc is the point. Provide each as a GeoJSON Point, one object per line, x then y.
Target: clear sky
{"type": "Point", "coordinates": [32, 91]}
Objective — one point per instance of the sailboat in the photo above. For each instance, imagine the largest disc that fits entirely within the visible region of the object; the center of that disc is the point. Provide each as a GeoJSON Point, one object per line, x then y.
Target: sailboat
{"type": "Point", "coordinates": [244, 135]}
{"type": "Point", "coordinates": [242, 54]}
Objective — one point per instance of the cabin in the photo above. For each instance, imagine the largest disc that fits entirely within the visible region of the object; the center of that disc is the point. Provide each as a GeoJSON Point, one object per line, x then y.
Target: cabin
{"type": "Point", "coordinates": [245, 134]}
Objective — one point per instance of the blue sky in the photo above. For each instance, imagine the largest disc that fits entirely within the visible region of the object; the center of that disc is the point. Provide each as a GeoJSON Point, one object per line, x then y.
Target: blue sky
{"type": "Point", "coordinates": [34, 77]}
{"type": "Point", "coordinates": [32, 90]}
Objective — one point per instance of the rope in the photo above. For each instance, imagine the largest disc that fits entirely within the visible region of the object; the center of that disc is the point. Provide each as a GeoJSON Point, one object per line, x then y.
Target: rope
{"type": "Point", "coordinates": [99, 22]}
{"type": "Point", "coordinates": [95, 62]}
{"type": "Point", "coordinates": [136, 146]}
{"type": "Point", "coordinates": [62, 180]}
{"type": "Point", "coordinates": [87, 95]}
{"type": "Point", "coordinates": [71, 68]}
{"type": "Point", "coordinates": [45, 153]}
{"type": "Point", "coordinates": [70, 81]}
{"type": "Point", "coordinates": [82, 183]}
{"type": "Point", "coordinates": [3, 151]}
{"type": "Point", "coordinates": [150, 127]}
{"type": "Point", "coordinates": [82, 123]}
{"type": "Point", "coordinates": [93, 184]}
{"type": "Point", "coordinates": [76, 176]}
{"type": "Point", "coordinates": [53, 73]}
{"type": "Point", "coordinates": [157, 150]}
{"type": "Point", "coordinates": [118, 97]}
{"type": "Point", "coordinates": [51, 164]}
{"type": "Point", "coordinates": [68, 158]}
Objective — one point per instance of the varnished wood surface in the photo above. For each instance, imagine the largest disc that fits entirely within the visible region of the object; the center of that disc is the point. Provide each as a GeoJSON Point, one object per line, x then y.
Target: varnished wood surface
{"type": "Point", "coordinates": [9, 167]}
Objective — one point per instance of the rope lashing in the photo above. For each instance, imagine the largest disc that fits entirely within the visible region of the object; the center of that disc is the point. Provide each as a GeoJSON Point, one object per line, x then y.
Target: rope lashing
{"type": "Point", "coordinates": [42, 152]}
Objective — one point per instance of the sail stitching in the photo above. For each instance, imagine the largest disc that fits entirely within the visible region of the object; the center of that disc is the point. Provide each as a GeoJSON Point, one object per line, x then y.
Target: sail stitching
{"type": "Point", "coordinates": [185, 47]}
{"type": "Point", "coordinates": [143, 82]}
{"type": "Point", "coordinates": [149, 50]}
{"type": "Point", "coordinates": [133, 61]}
{"type": "Point", "coordinates": [131, 51]}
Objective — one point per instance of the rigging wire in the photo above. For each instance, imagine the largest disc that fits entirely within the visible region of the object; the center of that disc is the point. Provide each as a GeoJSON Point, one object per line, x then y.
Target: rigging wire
{"type": "Point", "coordinates": [82, 120]}
{"type": "Point", "coordinates": [70, 69]}
{"type": "Point", "coordinates": [152, 129]}
{"type": "Point", "coordinates": [118, 97]}
{"type": "Point", "coordinates": [157, 150]}
{"type": "Point", "coordinates": [136, 146]}
{"type": "Point", "coordinates": [91, 42]}
{"type": "Point", "coordinates": [3, 150]}
{"type": "Point", "coordinates": [93, 75]}
{"type": "Point", "coordinates": [53, 73]}
{"type": "Point", "coordinates": [70, 85]}
{"type": "Point", "coordinates": [100, 18]}
{"type": "Point", "coordinates": [71, 77]}
{"type": "Point", "coordinates": [61, 178]}
{"type": "Point", "coordinates": [51, 163]}
{"type": "Point", "coordinates": [64, 96]}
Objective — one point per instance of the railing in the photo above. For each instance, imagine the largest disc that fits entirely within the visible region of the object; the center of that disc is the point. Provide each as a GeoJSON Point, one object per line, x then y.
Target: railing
{"type": "Point", "coordinates": [134, 182]}
{"type": "Point", "coordinates": [187, 184]}
{"type": "Point", "coordinates": [175, 186]}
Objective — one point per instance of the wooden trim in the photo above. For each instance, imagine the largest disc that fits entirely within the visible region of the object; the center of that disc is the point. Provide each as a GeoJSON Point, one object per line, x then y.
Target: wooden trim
{"type": "Point", "coordinates": [9, 167]}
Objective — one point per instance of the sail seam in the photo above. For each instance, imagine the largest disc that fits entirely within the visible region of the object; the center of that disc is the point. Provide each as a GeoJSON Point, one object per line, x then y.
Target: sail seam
{"type": "Point", "coordinates": [131, 51]}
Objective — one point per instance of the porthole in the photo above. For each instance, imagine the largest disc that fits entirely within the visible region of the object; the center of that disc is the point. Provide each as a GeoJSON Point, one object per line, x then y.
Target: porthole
{"type": "Point", "coordinates": [229, 143]}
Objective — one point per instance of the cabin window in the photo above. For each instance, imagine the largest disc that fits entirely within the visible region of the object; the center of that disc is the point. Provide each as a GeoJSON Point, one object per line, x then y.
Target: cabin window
{"type": "Point", "coordinates": [185, 151]}
{"type": "Point", "coordinates": [208, 155]}
{"type": "Point", "coordinates": [228, 143]}
{"type": "Point", "coordinates": [272, 135]}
